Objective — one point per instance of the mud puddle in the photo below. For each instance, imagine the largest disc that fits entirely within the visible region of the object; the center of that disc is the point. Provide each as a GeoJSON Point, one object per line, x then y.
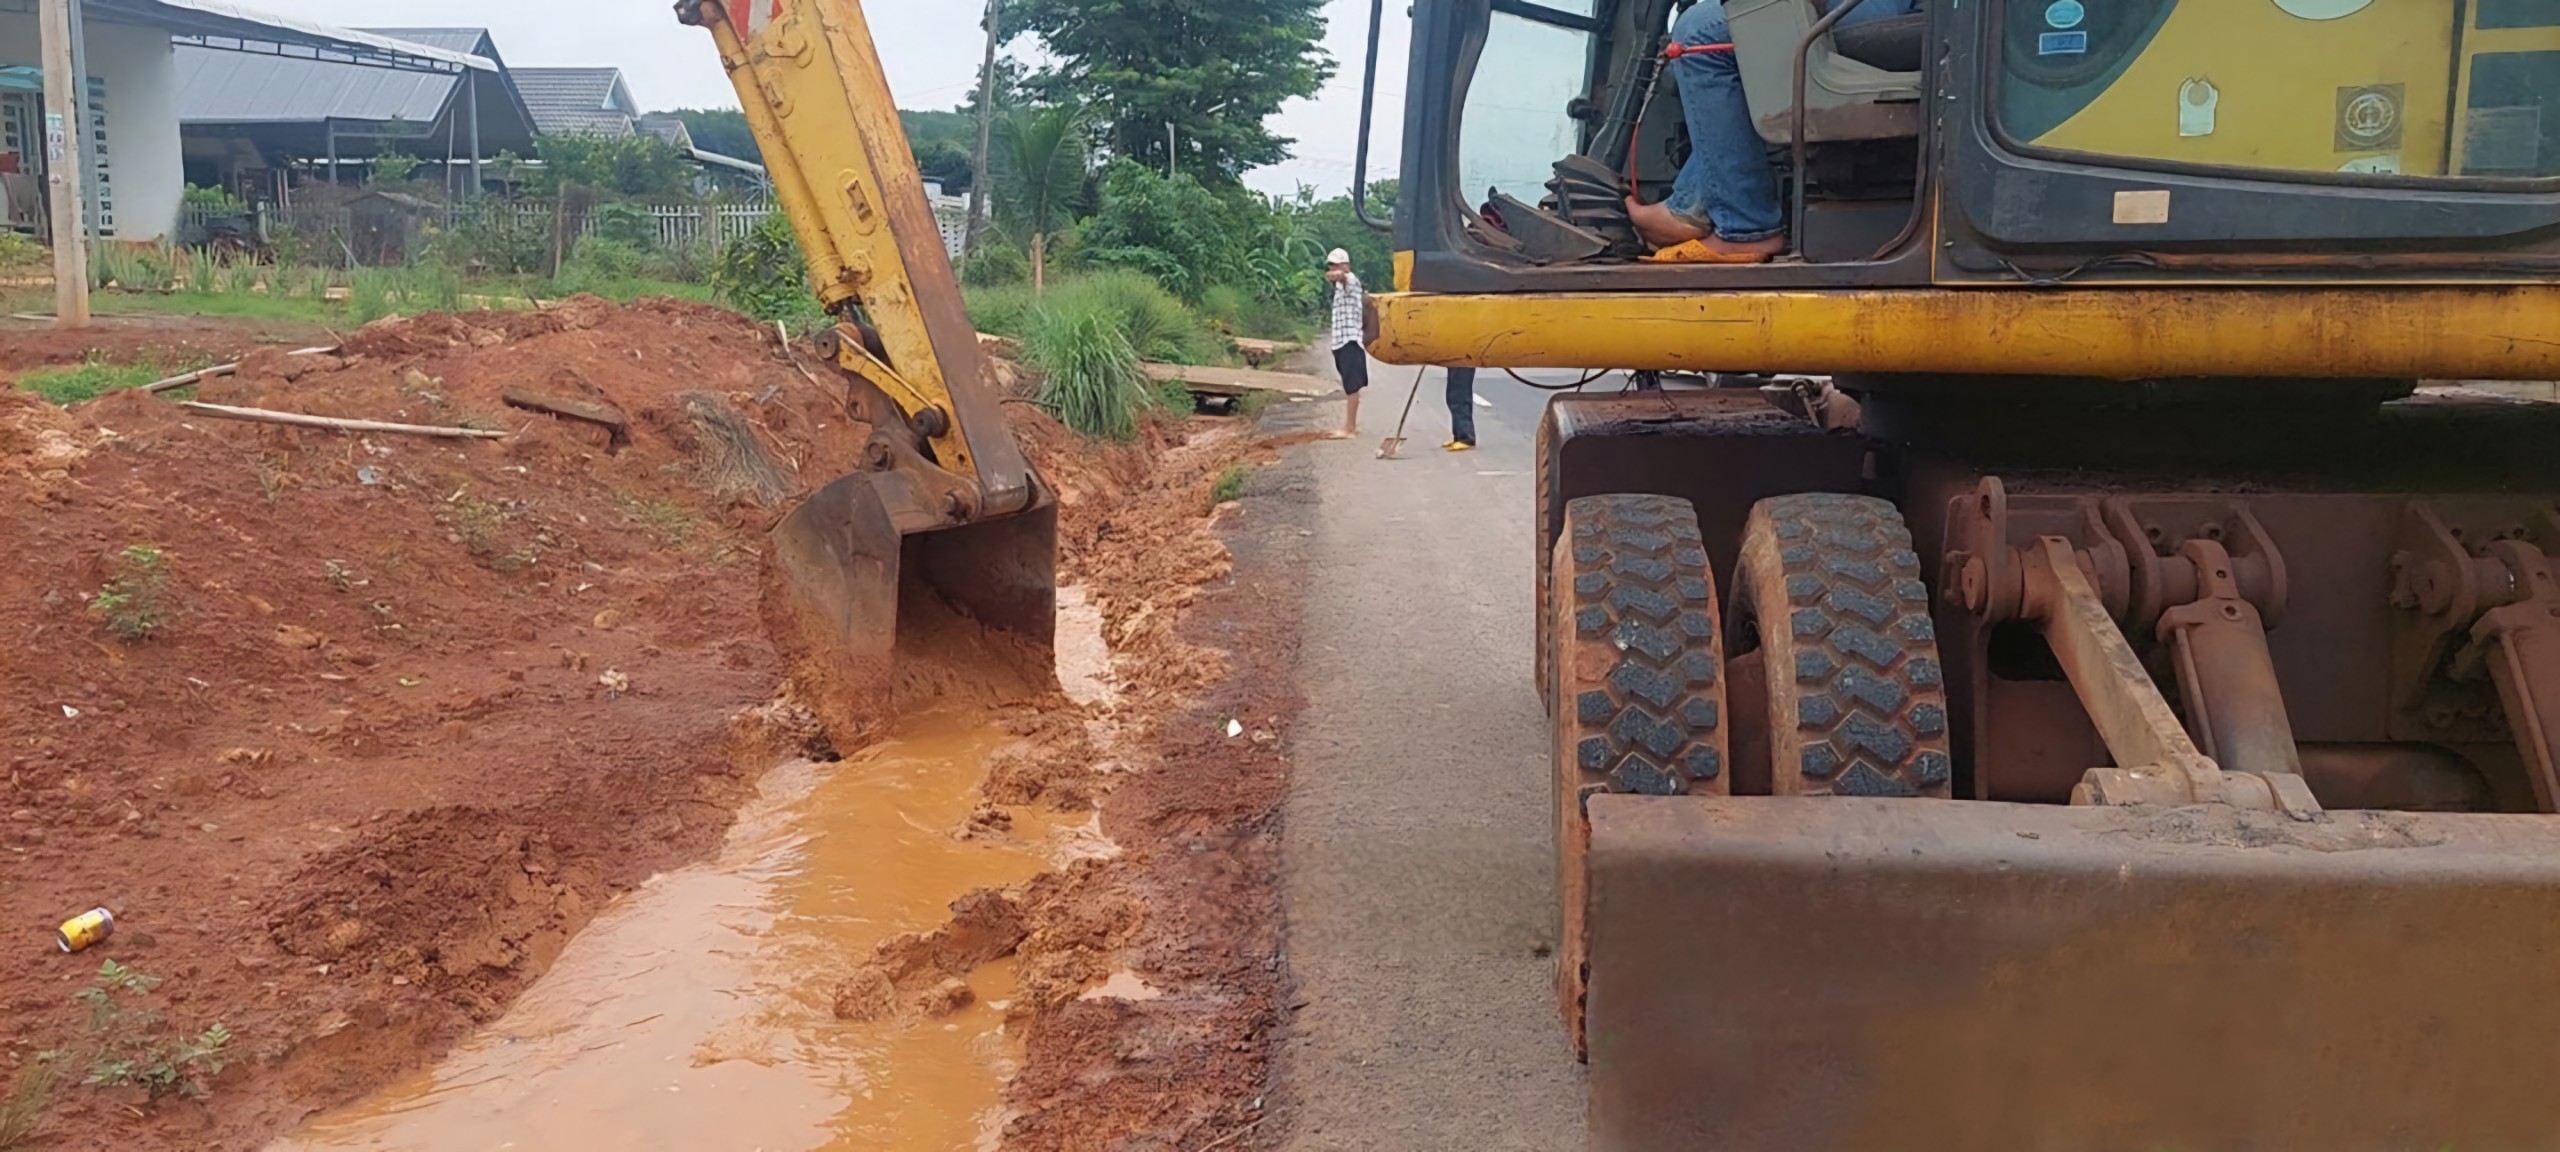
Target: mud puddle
{"type": "Point", "coordinates": [695, 1012]}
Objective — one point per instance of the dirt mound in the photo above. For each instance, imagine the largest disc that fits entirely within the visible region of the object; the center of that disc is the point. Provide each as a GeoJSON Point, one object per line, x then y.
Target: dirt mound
{"type": "Point", "coordinates": [352, 732]}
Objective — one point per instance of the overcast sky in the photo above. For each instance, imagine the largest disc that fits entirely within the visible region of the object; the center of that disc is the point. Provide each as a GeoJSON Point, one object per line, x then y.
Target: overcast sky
{"type": "Point", "coordinates": [930, 47]}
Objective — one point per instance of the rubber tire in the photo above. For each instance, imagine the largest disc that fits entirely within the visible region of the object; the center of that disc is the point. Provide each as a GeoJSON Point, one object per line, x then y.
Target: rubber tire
{"type": "Point", "coordinates": [1857, 696]}
{"type": "Point", "coordinates": [1637, 663]}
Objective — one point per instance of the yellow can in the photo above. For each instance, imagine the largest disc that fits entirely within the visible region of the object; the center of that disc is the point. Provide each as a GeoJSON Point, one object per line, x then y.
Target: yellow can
{"type": "Point", "coordinates": [85, 929]}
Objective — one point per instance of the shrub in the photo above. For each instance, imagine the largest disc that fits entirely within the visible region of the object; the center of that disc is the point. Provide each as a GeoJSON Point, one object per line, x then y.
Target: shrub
{"type": "Point", "coordinates": [392, 167]}
{"type": "Point", "coordinates": [764, 276]}
{"type": "Point", "coordinates": [627, 224]}
{"type": "Point", "coordinates": [995, 264]}
{"type": "Point", "coordinates": [1007, 311]}
{"type": "Point", "coordinates": [21, 251]}
{"type": "Point", "coordinates": [1094, 382]}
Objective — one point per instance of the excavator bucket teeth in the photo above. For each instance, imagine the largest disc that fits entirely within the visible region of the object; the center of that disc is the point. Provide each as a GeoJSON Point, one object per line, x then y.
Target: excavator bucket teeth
{"type": "Point", "coordinates": [842, 586]}
{"type": "Point", "coordinates": [1845, 974]}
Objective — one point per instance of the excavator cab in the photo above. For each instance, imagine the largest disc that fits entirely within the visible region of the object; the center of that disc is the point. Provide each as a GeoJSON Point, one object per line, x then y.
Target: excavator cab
{"type": "Point", "coordinates": [2264, 125]}
{"type": "Point", "coordinates": [2068, 655]}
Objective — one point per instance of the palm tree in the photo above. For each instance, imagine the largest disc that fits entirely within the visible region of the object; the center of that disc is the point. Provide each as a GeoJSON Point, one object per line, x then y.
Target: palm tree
{"type": "Point", "coordinates": [1040, 159]}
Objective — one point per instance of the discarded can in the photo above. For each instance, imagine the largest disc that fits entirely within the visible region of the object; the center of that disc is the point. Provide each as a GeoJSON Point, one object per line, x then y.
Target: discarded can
{"type": "Point", "coordinates": [85, 929]}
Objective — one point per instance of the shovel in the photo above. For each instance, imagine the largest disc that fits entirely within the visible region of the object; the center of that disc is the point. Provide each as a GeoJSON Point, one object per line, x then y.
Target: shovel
{"type": "Point", "coordinates": [1387, 447]}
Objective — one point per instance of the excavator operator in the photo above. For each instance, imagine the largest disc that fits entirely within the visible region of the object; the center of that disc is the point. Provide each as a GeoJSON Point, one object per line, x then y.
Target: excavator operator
{"type": "Point", "coordinates": [1724, 207]}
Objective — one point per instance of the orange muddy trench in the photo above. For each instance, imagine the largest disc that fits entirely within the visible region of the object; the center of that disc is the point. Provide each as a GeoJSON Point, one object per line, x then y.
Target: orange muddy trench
{"type": "Point", "coordinates": [695, 1012]}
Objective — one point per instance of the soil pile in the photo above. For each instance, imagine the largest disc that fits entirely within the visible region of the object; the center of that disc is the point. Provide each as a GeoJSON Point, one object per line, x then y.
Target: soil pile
{"type": "Point", "coordinates": [354, 732]}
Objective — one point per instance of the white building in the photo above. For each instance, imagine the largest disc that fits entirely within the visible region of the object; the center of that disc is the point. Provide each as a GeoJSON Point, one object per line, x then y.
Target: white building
{"type": "Point", "coordinates": [138, 173]}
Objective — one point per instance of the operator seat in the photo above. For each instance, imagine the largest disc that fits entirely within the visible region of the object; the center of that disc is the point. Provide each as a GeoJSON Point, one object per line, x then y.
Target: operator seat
{"type": "Point", "coordinates": [1862, 82]}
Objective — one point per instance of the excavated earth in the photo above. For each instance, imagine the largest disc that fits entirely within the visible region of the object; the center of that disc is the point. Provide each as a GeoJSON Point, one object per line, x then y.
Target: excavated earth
{"type": "Point", "coordinates": [354, 731]}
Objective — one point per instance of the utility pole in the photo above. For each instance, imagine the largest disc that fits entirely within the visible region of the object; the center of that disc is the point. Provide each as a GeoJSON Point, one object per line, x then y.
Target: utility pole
{"type": "Point", "coordinates": [62, 168]}
{"type": "Point", "coordinates": [986, 128]}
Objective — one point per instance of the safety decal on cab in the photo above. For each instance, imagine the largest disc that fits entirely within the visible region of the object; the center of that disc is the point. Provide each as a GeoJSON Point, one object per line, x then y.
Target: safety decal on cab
{"type": "Point", "coordinates": [2062, 44]}
{"type": "Point", "coordinates": [761, 13]}
{"type": "Point", "coordinates": [2065, 14]}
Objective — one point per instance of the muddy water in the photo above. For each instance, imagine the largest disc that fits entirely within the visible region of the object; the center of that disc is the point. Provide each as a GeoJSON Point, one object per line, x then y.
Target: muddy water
{"type": "Point", "coordinates": [694, 1013]}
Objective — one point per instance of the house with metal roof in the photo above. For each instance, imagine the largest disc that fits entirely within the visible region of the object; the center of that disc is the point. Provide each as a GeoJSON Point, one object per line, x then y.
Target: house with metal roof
{"type": "Point", "coordinates": [579, 101]}
{"type": "Point", "coordinates": [248, 120]}
{"type": "Point", "coordinates": [128, 112]}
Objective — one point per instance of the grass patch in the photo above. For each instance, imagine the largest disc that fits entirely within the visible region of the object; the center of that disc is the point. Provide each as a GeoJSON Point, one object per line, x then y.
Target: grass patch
{"type": "Point", "coordinates": [1156, 324]}
{"type": "Point", "coordinates": [22, 1110]}
{"type": "Point", "coordinates": [664, 520]}
{"type": "Point", "coordinates": [1230, 484]}
{"type": "Point", "coordinates": [98, 376]}
{"type": "Point", "coordinates": [1094, 382]}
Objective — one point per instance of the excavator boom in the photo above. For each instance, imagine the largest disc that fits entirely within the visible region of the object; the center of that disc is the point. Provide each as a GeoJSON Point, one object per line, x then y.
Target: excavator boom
{"type": "Point", "coordinates": [948, 515]}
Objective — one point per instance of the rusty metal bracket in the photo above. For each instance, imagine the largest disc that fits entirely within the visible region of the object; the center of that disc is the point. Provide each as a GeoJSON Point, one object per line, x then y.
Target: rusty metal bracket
{"type": "Point", "coordinates": [2158, 763]}
{"type": "Point", "coordinates": [2517, 646]}
{"type": "Point", "coordinates": [2226, 676]}
{"type": "Point", "coordinates": [2455, 561]}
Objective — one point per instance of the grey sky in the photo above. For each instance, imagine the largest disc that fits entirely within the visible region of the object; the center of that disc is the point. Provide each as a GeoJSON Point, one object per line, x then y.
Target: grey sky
{"type": "Point", "coordinates": [930, 47]}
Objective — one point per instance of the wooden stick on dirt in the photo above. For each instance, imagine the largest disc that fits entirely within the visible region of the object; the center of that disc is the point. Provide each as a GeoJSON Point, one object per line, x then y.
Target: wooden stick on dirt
{"type": "Point", "coordinates": [300, 420]}
{"type": "Point", "coordinates": [218, 371]}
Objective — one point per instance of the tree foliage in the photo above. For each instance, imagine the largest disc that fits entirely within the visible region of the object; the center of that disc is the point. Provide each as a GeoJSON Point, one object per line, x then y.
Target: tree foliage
{"type": "Point", "coordinates": [637, 165]}
{"type": "Point", "coordinates": [1215, 72]}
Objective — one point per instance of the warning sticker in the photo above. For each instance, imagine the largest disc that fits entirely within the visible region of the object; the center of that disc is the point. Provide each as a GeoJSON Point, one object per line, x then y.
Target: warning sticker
{"type": "Point", "coordinates": [2062, 44]}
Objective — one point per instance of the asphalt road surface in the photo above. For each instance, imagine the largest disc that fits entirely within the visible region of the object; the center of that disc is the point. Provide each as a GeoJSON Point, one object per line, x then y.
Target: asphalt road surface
{"type": "Point", "coordinates": [1417, 881]}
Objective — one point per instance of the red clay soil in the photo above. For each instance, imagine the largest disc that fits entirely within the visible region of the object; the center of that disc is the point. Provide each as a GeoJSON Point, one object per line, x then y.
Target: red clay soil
{"type": "Point", "coordinates": [390, 717]}
{"type": "Point", "coordinates": [1190, 904]}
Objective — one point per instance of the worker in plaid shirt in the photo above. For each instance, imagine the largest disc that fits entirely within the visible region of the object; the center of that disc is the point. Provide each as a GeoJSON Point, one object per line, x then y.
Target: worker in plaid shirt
{"type": "Point", "coordinates": [1350, 357]}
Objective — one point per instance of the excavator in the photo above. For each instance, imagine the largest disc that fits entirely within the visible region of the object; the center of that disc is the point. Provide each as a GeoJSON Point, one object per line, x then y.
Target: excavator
{"type": "Point", "coordinates": [2076, 676]}
{"type": "Point", "coordinates": [948, 517]}
{"type": "Point", "coordinates": [2068, 655]}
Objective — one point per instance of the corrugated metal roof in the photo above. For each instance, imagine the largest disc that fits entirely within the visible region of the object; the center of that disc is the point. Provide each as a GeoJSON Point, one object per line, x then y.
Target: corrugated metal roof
{"type": "Point", "coordinates": [571, 101]}
{"type": "Point", "coordinates": [469, 41]}
{"type": "Point", "coordinates": [222, 87]}
{"type": "Point", "coordinates": [221, 20]}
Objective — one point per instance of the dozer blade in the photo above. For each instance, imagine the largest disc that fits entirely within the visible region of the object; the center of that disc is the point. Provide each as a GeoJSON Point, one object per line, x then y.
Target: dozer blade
{"type": "Point", "coordinates": [1830, 973]}
{"type": "Point", "coordinates": [851, 600]}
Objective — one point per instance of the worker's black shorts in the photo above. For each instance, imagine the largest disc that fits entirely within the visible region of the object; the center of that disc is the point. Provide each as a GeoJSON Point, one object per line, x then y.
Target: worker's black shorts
{"type": "Point", "coordinates": [1353, 362]}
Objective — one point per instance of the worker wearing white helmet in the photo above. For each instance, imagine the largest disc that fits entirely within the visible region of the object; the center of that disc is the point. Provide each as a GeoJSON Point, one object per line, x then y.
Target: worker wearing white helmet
{"type": "Point", "coordinates": [1344, 337]}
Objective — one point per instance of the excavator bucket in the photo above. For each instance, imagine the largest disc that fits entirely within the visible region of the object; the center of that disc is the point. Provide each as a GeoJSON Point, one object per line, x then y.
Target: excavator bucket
{"type": "Point", "coordinates": [1840, 974]}
{"type": "Point", "coordinates": [846, 591]}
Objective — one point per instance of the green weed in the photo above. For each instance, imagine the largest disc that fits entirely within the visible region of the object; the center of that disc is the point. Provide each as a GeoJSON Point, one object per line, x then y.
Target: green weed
{"type": "Point", "coordinates": [133, 602]}
{"type": "Point", "coordinates": [1175, 396]}
{"type": "Point", "coordinates": [129, 1050]}
{"type": "Point", "coordinates": [1230, 484]}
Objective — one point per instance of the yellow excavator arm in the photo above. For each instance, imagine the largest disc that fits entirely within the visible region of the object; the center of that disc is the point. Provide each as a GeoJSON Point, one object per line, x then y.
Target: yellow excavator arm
{"type": "Point", "coordinates": [948, 502]}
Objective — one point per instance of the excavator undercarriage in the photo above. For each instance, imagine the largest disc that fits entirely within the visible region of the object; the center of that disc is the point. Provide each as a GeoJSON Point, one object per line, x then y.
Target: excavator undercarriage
{"type": "Point", "coordinates": [2167, 778]}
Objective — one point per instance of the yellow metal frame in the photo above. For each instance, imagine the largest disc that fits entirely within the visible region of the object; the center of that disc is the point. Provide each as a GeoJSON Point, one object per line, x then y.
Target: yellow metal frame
{"type": "Point", "coordinates": [814, 93]}
{"type": "Point", "coordinates": [2355, 331]}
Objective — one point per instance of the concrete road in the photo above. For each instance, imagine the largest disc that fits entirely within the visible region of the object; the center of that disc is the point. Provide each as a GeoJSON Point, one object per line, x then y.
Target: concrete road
{"type": "Point", "coordinates": [1417, 879]}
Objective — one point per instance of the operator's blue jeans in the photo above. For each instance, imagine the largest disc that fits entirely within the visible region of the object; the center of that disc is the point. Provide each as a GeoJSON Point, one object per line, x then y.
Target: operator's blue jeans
{"type": "Point", "coordinates": [1727, 183]}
